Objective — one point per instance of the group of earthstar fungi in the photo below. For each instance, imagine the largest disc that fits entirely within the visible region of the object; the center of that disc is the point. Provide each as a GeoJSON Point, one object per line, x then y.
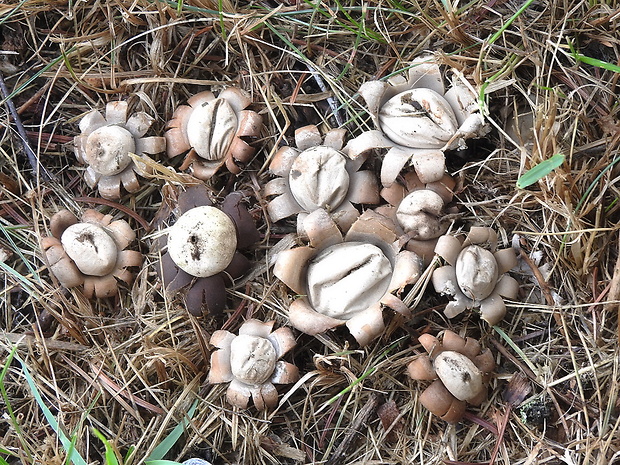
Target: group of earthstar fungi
{"type": "Point", "coordinates": [354, 265]}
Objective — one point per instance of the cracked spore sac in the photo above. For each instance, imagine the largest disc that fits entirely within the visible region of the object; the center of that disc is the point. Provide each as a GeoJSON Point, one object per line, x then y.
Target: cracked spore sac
{"type": "Point", "coordinates": [347, 278]}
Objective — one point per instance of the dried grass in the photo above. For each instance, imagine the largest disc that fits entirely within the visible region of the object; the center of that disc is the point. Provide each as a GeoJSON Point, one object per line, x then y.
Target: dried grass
{"type": "Point", "coordinates": [132, 367]}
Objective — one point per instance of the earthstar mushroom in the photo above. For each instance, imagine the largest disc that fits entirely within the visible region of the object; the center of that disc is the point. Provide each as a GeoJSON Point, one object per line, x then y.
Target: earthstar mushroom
{"type": "Point", "coordinates": [317, 175]}
{"type": "Point", "coordinates": [475, 274]}
{"type": "Point", "coordinates": [250, 362]}
{"type": "Point", "coordinates": [203, 241]}
{"type": "Point", "coordinates": [416, 119]}
{"type": "Point", "coordinates": [91, 253]}
{"type": "Point", "coordinates": [347, 280]}
{"type": "Point", "coordinates": [204, 248]}
{"type": "Point", "coordinates": [459, 369]}
{"type": "Point", "coordinates": [214, 131]}
{"type": "Point", "coordinates": [106, 145]}
{"type": "Point", "coordinates": [419, 211]}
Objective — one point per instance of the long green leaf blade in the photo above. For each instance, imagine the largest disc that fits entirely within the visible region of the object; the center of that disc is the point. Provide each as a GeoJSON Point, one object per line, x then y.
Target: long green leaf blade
{"type": "Point", "coordinates": [9, 407]}
{"type": "Point", "coordinates": [169, 441]}
{"type": "Point", "coordinates": [72, 454]}
{"type": "Point", "coordinates": [541, 170]}
{"type": "Point", "coordinates": [110, 456]}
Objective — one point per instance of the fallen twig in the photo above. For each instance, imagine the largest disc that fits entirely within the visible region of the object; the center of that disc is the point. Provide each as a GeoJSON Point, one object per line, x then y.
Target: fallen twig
{"type": "Point", "coordinates": [358, 425]}
{"type": "Point", "coordinates": [36, 165]}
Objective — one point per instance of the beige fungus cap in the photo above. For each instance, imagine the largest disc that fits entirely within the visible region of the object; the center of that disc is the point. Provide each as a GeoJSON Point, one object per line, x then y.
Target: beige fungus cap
{"type": "Point", "coordinates": [203, 241]}
{"type": "Point", "coordinates": [91, 248]}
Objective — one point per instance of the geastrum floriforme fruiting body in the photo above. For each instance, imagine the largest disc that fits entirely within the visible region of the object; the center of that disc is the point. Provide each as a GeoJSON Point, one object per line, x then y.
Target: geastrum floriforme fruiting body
{"type": "Point", "coordinates": [316, 174]}
{"type": "Point", "coordinates": [419, 211]}
{"type": "Point", "coordinates": [215, 130]}
{"type": "Point", "coordinates": [475, 274]}
{"type": "Point", "coordinates": [417, 120]}
{"type": "Point", "coordinates": [347, 281]}
{"type": "Point", "coordinates": [203, 248]}
{"type": "Point", "coordinates": [91, 252]}
{"type": "Point", "coordinates": [251, 363]}
{"type": "Point", "coordinates": [106, 145]}
{"type": "Point", "coordinates": [459, 369]}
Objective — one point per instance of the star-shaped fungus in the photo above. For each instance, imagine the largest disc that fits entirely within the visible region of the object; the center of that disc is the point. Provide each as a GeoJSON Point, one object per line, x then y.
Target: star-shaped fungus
{"type": "Point", "coordinates": [417, 120]}
{"type": "Point", "coordinates": [106, 145]}
{"type": "Point", "coordinates": [215, 130]}
{"type": "Point", "coordinates": [459, 369]}
{"type": "Point", "coordinates": [203, 248]}
{"type": "Point", "coordinates": [475, 274]}
{"type": "Point", "coordinates": [347, 281]}
{"type": "Point", "coordinates": [251, 363]}
{"type": "Point", "coordinates": [419, 211]}
{"type": "Point", "coordinates": [91, 252]}
{"type": "Point", "coordinates": [316, 174]}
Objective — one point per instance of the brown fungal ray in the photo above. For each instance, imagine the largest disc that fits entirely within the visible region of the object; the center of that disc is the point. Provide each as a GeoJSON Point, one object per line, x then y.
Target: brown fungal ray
{"type": "Point", "coordinates": [421, 369]}
{"type": "Point", "coordinates": [194, 196]}
{"type": "Point", "coordinates": [61, 221]}
{"type": "Point", "coordinates": [173, 277]}
{"type": "Point", "coordinates": [61, 265]}
{"type": "Point", "coordinates": [207, 295]}
{"type": "Point", "coordinates": [485, 361]}
{"type": "Point", "coordinates": [438, 400]}
{"type": "Point", "coordinates": [247, 234]}
{"type": "Point", "coordinates": [466, 346]}
{"type": "Point", "coordinates": [237, 267]}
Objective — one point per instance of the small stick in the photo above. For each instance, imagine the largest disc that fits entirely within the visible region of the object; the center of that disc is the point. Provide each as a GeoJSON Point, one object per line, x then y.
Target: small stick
{"type": "Point", "coordinates": [34, 98]}
{"type": "Point", "coordinates": [515, 393]}
{"type": "Point", "coordinates": [333, 104]}
{"type": "Point", "coordinates": [32, 157]}
{"type": "Point", "coordinates": [233, 317]}
{"type": "Point", "coordinates": [320, 48]}
{"type": "Point", "coordinates": [52, 344]}
{"type": "Point", "coordinates": [530, 374]}
{"type": "Point", "coordinates": [481, 422]}
{"type": "Point", "coordinates": [353, 432]}
{"type": "Point", "coordinates": [544, 286]}
{"type": "Point", "coordinates": [300, 81]}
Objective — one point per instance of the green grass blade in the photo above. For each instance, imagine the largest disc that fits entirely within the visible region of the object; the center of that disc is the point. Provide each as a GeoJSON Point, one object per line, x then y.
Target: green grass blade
{"type": "Point", "coordinates": [592, 61]}
{"type": "Point", "coordinates": [516, 348]}
{"type": "Point", "coordinates": [541, 170]}
{"type": "Point", "coordinates": [182, 6]}
{"type": "Point", "coordinates": [590, 188]}
{"type": "Point", "coordinates": [356, 28]}
{"type": "Point", "coordinates": [370, 371]}
{"type": "Point", "coordinates": [507, 24]}
{"type": "Point", "coordinates": [169, 441]}
{"type": "Point", "coordinates": [72, 455]}
{"type": "Point", "coordinates": [364, 375]}
{"type": "Point", "coordinates": [18, 250]}
{"type": "Point", "coordinates": [130, 452]}
{"type": "Point", "coordinates": [17, 8]}
{"type": "Point", "coordinates": [9, 407]}
{"type": "Point", "coordinates": [71, 449]}
{"type": "Point", "coordinates": [34, 77]}
{"type": "Point", "coordinates": [110, 454]}
{"type": "Point", "coordinates": [221, 20]}
{"type": "Point", "coordinates": [28, 287]}
{"type": "Point", "coordinates": [162, 462]}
